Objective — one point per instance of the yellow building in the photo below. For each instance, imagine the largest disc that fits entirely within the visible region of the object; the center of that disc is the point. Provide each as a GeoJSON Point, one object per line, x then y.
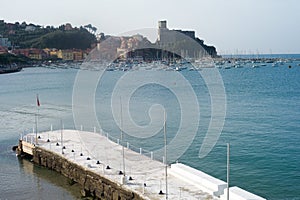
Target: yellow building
{"type": "Point", "coordinates": [65, 54]}
{"type": "Point", "coordinates": [52, 53]}
{"type": "Point", "coordinates": [35, 56]}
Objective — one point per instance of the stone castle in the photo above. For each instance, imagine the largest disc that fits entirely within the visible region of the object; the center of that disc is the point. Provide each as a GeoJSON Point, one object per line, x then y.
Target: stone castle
{"type": "Point", "coordinates": [183, 41]}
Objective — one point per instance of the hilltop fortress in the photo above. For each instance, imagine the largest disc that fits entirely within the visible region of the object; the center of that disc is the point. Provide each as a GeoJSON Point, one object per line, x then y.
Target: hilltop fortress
{"type": "Point", "coordinates": [170, 45]}
{"type": "Point", "coordinates": [178, 40]}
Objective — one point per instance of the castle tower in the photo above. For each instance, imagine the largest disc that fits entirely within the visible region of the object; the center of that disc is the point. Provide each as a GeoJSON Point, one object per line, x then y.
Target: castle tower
{"type": "Point", "coordinates": [162, 30]}
{"type": "Point", "coordinates": [162, 24]}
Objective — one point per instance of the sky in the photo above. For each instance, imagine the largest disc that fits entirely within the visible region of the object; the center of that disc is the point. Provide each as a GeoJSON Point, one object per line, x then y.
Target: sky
{"type": "Point", "coordinates": [232, 26]}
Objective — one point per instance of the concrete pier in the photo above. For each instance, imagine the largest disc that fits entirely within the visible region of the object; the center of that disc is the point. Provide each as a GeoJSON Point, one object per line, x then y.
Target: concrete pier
{"type": "Point", "coordinates": [96, 164]}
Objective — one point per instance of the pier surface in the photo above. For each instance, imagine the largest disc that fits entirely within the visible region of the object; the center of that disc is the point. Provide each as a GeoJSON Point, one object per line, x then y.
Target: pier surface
{"type": "Point", "coordinates": [144, 176]}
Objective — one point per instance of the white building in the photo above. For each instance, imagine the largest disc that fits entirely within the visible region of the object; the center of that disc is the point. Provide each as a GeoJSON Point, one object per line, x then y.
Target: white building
{"type": "Point", "coordinates": [30, 28]}
{"type": "Point", "coordinates": [5, 42]}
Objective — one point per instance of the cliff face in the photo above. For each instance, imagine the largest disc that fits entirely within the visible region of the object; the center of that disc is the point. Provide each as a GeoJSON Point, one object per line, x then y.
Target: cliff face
{"type": "Point", "coordinates": [93, 184]}
{"type": "Point", "coordinates": [119, 46]}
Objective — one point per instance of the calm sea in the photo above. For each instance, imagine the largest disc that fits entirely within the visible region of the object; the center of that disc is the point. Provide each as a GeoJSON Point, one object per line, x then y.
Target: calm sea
{"type": "Point", "coordinates": [262, 126]}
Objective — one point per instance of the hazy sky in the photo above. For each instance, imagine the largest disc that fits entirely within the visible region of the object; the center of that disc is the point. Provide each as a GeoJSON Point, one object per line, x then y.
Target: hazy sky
{"type": "Point", "coordinates": [232, 26]}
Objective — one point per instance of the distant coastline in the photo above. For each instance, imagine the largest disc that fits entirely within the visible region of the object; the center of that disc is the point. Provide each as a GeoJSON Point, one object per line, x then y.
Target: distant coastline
{"type": "Point", "coordinates": [254, 56]}
{"type": "Point", "coordinates": [226, 62]}
{"type": "Point", "coordinates": [30, 45]}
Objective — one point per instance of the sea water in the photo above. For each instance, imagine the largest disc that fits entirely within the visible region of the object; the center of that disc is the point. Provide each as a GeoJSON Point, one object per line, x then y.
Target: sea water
{"type": "Point", "coordinates": [261, 125]}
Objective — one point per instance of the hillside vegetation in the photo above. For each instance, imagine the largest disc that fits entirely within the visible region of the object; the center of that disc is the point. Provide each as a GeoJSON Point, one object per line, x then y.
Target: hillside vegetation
{"type": "Point", "coordinates": [6, 59]}
{"type": "Point", "coordinates": [78, 39]}
{"type": "Point", "coordinates": [34, 36]}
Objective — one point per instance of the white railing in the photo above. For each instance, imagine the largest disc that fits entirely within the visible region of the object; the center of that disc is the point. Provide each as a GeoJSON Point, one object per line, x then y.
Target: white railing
{"type": "Point", "coordinates": [31, 138]}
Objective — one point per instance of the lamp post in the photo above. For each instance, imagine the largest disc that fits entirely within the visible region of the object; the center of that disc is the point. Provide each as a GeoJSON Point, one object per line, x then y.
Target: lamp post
{"type": "Point", "coordinates": [122, 138]}
{"type": "Point", "coordinates": [228, 168]}
{"type": "Point", "coordinates": [166, 160]}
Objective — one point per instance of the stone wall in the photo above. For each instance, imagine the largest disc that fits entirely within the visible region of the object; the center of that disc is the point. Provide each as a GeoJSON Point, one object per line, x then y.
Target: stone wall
{"type": "Point", "coordinates": [93, 184]}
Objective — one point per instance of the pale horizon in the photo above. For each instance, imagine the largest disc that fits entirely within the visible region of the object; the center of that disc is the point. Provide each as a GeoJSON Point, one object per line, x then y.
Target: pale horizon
{"type": "Point", "coordinates": [233, 26]}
